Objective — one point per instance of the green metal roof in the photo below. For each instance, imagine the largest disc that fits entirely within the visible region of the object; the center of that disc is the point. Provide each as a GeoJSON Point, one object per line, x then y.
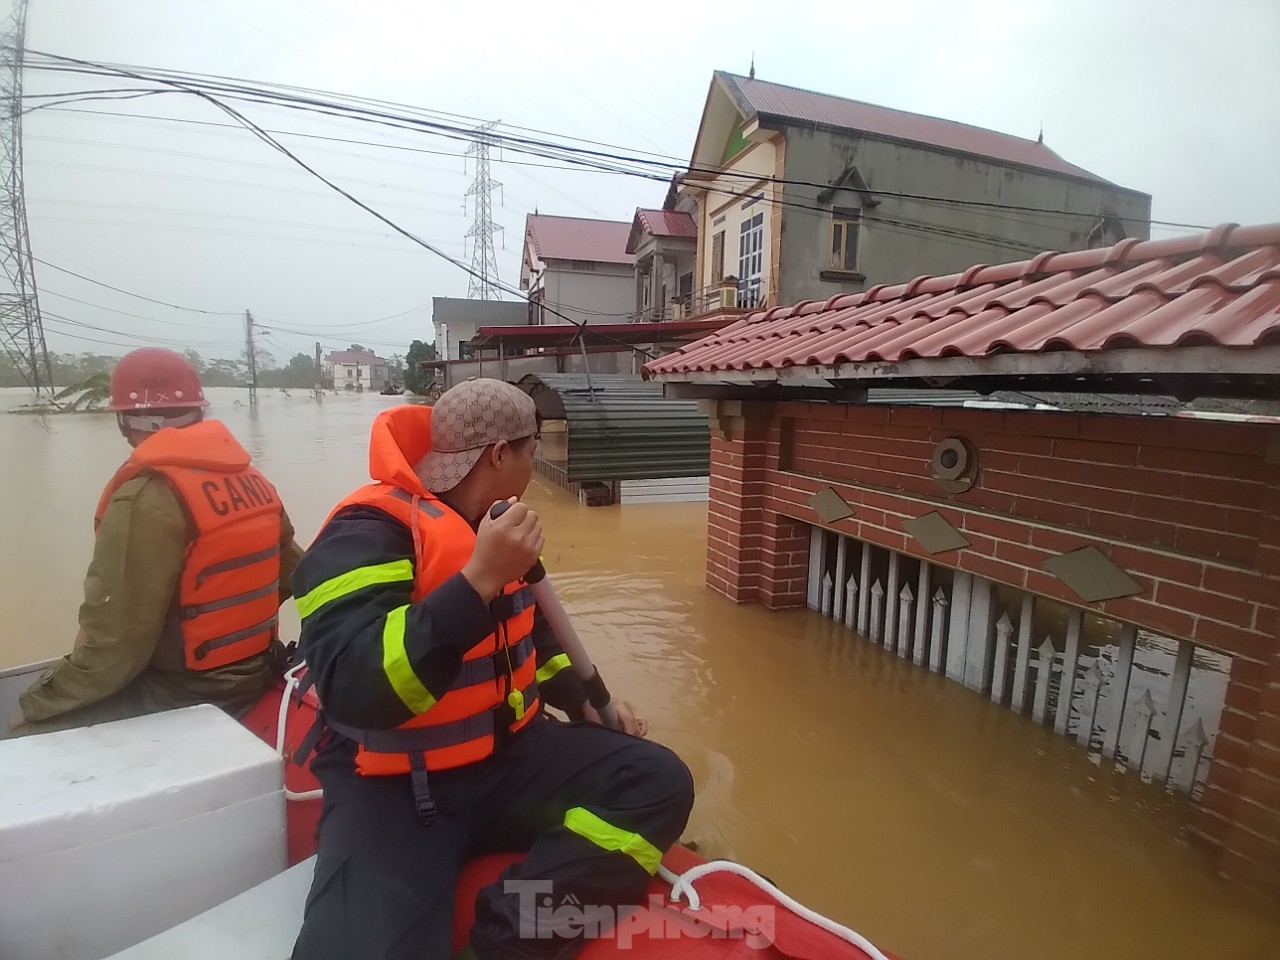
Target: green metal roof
{"type": "Point", "coordinates": [622, 428]}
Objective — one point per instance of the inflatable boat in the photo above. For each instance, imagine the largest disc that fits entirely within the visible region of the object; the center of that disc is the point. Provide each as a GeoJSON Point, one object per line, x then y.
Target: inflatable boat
{"type": "Point", "coordinates": [120, 841]}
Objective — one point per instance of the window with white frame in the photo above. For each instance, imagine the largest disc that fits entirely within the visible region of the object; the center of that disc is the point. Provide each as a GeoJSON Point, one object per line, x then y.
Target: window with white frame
{"type": "Point", "coordinates": [750, 260]}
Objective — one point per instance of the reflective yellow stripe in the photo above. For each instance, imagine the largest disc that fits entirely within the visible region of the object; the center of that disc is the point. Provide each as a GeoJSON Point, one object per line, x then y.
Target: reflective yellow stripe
{"type": "Point", "coordinates": [552, 667]}
{"type": "Point", "coordinates": [395, 662]}
{"type": "Point", "coordinates": [604, 834]}
{"type": "Point", "coordinates": [393, 571]}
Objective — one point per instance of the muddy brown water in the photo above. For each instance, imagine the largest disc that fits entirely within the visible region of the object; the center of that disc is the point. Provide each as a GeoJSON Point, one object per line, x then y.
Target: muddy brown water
{"type": "Point", "coordinates": [890, 799]}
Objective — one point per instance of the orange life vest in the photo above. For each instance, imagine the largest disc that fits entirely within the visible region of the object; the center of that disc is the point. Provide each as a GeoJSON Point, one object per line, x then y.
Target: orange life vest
{"type": "Point", "coordinates": [228, 594]}
{"type": "Point", "coordinates": [496, 688]}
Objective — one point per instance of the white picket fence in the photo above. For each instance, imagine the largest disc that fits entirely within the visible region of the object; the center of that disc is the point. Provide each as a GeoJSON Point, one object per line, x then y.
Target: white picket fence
{"type": "Point", "coordinates": [961, 625]}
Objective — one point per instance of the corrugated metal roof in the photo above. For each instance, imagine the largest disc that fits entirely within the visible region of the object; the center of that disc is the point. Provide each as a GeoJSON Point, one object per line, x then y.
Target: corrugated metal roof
{"type": "Point", "coordinates": [622, 428]}
{"type": "Point", "coordinates": [576, 238]}
{"type": "Point", "coordinates": [1220, 288]}
{"type": "Point", "coordinates": [759, 97]}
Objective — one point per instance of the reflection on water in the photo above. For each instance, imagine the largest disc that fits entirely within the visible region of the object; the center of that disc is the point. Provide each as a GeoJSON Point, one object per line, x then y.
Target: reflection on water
{"type": "Point", "coordinates": [939, 825]}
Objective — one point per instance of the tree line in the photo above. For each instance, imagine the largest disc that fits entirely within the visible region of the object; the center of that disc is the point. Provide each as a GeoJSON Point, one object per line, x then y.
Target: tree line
{"type": "Point", "coordinates": [69, 369]}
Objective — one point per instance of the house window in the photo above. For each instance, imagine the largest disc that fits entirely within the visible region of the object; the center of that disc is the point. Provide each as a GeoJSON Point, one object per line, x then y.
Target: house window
{"type": "Point", "coordinates": [750, 261]}
{"type": "Point", "coordinates": [844, 239]}
{"type": "Point", "coordinates": [717, 257]}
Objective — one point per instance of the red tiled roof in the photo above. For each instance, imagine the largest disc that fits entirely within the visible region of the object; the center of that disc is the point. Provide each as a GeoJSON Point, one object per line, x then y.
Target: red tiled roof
{"type": "Point", "coordinates": [574, 238]}
{"type": "Point", "coordinates": [758, 97]}
{"type": "Point", "coordinates": [668, 223]}
{"type": "Point", "coordinates": [1221, 288]}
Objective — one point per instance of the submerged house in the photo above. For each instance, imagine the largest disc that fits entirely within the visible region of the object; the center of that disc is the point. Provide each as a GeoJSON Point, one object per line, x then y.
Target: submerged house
{"type": "Point", "coordinates": [1082, 569]}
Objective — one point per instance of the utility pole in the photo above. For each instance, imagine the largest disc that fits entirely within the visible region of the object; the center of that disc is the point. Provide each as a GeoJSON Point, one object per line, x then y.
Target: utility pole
{"type": "Point", "coordinates": [319, 372]}
{"type": "Point", "coordinates": [253, 360]}
{"type": "Point", "coordinates": [484, 262]}
{"type": "Point", "coordinates": [21, 328]}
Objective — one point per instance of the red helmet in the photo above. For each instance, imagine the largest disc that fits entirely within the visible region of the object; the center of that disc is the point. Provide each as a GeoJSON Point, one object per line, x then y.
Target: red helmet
{"type": "Point", "coordinates": [153, 378]}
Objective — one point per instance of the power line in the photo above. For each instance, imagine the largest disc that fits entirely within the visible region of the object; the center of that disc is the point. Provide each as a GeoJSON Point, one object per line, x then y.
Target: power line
{"type": "Point", "coordinates": [245, 91]}
{"type": "Point", "coordinates": [128, 293]}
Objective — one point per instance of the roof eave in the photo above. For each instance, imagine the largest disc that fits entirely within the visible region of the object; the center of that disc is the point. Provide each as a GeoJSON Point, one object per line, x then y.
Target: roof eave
{"type": "Point", "coordinates": [1257, 370]}
{"type": "Point", "coordinates": [780, 122]}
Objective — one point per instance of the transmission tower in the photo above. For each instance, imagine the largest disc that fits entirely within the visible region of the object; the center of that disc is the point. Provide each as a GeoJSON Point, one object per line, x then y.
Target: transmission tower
{"type": "Point", "coordinates": [21, 330]}
{"type": "Point", "coordinates": [484, 262]}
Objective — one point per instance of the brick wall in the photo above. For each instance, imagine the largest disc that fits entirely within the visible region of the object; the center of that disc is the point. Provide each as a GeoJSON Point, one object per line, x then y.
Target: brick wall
{"type": "Point", "coordinates": [1189, 508]}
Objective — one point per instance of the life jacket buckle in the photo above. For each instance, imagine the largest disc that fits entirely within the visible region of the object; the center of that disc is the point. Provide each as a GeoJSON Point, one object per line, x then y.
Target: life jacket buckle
{"type": "Point", "coordinates": [424, 806]}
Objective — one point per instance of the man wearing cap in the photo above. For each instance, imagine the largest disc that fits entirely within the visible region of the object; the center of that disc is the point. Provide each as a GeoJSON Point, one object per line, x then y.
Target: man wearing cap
{"type": "Point", "coordinates": [433, 669]}
{"type": "Point", "coordinates": [192, 556]}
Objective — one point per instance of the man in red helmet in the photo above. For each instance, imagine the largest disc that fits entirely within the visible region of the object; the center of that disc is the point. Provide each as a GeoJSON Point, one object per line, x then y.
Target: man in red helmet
{"type": "Point", "coordinates": [191, 561]}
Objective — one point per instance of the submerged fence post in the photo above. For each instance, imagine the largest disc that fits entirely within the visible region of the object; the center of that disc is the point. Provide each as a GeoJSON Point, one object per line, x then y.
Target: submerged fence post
{"type": "Point", "coordinates": [815, 567]}
{"type": "Point", "coordinates": [905, 599]}
{"type": "Point", "coordinates": [1004, 628]}
{"type": "Point", "coordinates": [922, 612]}
{"type": "Point", "coordinates": [1089, 709]}
{"type": "Point", "coordinates": [877, 613]}
{"type": "Point", "coordinates": [1197, 740]}
{"type": "Point", "coordinates": [1146, 709]}
{"type": "Point", "coordinates": [1024, 655]}
{"type": "Point", "coordinates": [864, 588]}
{"type": "Point", "coordinates": [828, 590]}
{"type": "Point", "coordinates": [1173, 713]}
{"type": "Point", "coordinates": [1118, 696]}
{"type": "Point", "coordinates": [891, 599]}
{"type": "Point", "coordinates": [940, 604]}
{"type": "Point", "coordinates": [1070, 659]}
{"type": "Point", "coordinates": [850, 601]}
{"type": "Point", "coordinates": [1044, 677]}
{"type": "Point", "coordinates": [842, 545]}
{"type": "Point", "coordinates": [958, 630]}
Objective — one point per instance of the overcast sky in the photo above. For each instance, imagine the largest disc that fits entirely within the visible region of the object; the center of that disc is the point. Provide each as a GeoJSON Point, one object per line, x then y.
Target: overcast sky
{"type": "Point", "coordinates": [1177, 99]}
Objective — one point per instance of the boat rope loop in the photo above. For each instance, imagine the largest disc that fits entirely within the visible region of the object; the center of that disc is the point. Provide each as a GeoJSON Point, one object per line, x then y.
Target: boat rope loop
{"type": "Point", "coordinates": [682, 886]}
{"type": "Point", "coordinates": [290, 684]}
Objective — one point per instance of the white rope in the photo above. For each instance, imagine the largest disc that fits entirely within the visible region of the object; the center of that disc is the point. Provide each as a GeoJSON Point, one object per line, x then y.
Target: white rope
{"type": "Point", "coordinates": [290, 684]}
{"type": "Point", "coordinates": [682, 885]}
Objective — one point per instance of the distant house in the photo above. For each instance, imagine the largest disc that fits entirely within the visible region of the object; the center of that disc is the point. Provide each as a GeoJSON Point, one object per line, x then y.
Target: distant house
{"type": "Point", "coordinates": [873, 195]}
{"type": "Point", "coordinates": [578, 268]}
{"type": "Point", "coordinates": [354, 370]}
{"type": "Point", "coordinates": [456, 322]}
{"type": "Point", "coordinates": [665, 245]}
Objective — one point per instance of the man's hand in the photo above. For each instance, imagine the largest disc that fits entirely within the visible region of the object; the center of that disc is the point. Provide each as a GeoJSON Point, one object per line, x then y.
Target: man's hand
{"type": "Point", "coordinates": [15, 721]}
{"type": "Point", "coordinates": [632, 724]}
{"type": "Point", "coordinates": [505, 549]}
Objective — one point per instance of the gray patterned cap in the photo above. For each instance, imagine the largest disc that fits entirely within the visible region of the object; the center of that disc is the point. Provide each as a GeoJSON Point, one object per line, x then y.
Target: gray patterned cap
{"type": "Point", "coordinates": [466, 419]}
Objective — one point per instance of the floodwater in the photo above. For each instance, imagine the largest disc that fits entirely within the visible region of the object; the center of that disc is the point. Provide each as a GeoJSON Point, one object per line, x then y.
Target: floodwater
{"type": "Point", "coordinates": [899, 803]}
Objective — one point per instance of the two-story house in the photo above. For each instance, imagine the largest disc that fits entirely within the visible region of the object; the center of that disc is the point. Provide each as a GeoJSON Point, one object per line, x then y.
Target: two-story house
{"type": "Point", "coordinates": [665, 245]}
{"type": "Point", "coordinates": [354, 370]}
{"type": "Point", "coordinates": [801, 196]}
{"type": "Point", "coordinates": [578, 268]}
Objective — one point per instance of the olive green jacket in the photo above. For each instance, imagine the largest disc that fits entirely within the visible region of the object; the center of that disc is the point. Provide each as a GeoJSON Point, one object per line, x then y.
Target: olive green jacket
{"type": "Point", "coordinates": [127, 663]}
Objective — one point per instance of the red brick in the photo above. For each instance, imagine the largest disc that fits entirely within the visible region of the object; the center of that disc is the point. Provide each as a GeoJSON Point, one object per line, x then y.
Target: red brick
{"type": "Point", "coordinates": [1154, 616]}
{"type": "Point", "coordinates": [915, 416]}
{"type": "Point", "coordinates": [1247, 700]}
{"type": "Point", "coordinates": [1121, 429]}
{"type": "Point", "coordinates": [1211, 827]}
{"type": "Point", "coordinates": [1224, 490]}
{"type": "Point", "coordinates": [993, 569]}
{"type": "Point", "coordinates": [1056, 541]}
{"type": "Point", "coordinates": [1227, 748]}
{"type": "Point", "coordinates": [1215, 545]}
{"type": "Point", "coordinates": [1205, 463]}
{"type": "Point", "coordinates": [1205, 604]}
{"type": "Point", "coordinates": [1256, 819]}
{"type": "Point", "coordinates": [1267, 731]}
{"type": "Point", "coordinates": [1021, 555]}
{"type": "Point", "coordinates": [1262, 790]}
{"type": "Point", "coordinates": [1062, 514]}
{"type": "Point", "coordinates": [1265, 760]}
{"type": "Point", "coordinates": [1255, 876]}
{"type": "Point", "coordinates": [1225, 437]}
{"type": "Point", "coordinates": [1041, 425]}
{"type": "Point", "coordinates": [1244, 584]}
{"type": "Point", "coordinates": [1233, 639]}
{"type": "Point", "coordinates": [1161, 566]}
{"type": "Point", "coordinates": [1121, 454]}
